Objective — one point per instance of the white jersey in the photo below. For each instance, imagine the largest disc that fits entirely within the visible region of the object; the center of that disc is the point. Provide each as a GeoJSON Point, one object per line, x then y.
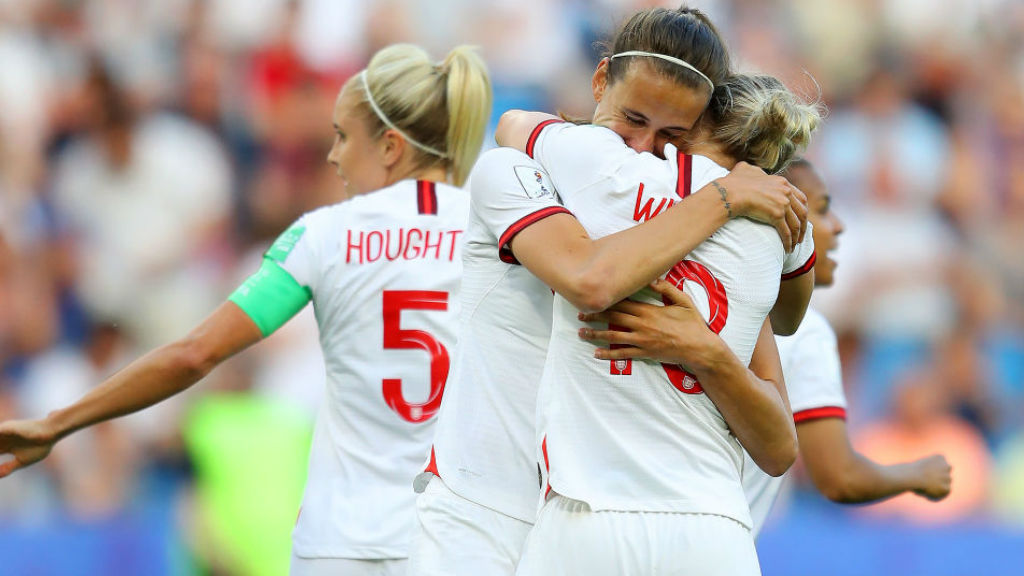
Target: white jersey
{"type": "Point", "coordinates": [383, 270]}
{"type": "Point", "coordinates": [638, 435]}
{"type": "Point", "coordinates": [484, 447]}
{"type": "Point", "coordinates": [814, 382]}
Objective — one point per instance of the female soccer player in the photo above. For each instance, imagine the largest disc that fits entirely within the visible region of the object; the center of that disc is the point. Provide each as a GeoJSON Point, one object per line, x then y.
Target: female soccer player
{"type": "Point", "coordinates": [810, 362]}
{"type": "Point", "coordinates": [382, 271]}
{"type": "Point", "coordinates": [481, 495]}
{"type": "Point", "coordinates": [644, 460]}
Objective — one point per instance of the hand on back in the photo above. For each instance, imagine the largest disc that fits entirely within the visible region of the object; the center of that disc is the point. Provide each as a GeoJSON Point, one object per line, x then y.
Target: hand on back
{"type": "Point", "coordinates": [675, 333]}
{"type": "Point", "coordinates": [769, 199]}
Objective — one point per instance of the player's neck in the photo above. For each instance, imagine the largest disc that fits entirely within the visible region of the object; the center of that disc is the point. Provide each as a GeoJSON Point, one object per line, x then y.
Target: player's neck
{"type": "Point", "coordinates": [431, 174]}
{"type": "Point", "coordinates": [715, 152]}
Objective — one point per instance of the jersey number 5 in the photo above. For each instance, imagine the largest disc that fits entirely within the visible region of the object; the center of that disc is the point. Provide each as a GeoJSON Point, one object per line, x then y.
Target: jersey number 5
{"type": "Point", "coordinates": [397, 338]}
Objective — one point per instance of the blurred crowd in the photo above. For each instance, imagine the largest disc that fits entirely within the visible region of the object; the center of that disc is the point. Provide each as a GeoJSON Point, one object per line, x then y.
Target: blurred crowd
{"type": "Point", "coordinates": [151, 150]}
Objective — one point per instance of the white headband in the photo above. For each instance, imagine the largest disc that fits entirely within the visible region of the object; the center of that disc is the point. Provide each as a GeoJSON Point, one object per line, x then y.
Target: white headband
{"type": "Point", "coordinates": [384, 119]}
{"type": "Point", "coordinates": [671, 59]}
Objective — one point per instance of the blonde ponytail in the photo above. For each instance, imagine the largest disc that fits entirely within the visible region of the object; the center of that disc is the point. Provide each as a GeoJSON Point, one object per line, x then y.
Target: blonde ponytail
{"type": "Point", "coordinates": [441, 110]}
{"type": "Point", "coordinates": [469, 109]}
{"type": "Point", "coordinates": [758, 120]}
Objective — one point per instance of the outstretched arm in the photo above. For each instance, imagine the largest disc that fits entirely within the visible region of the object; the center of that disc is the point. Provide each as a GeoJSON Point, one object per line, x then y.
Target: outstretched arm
{"type": "Point", "coordinates": [752, 401]}
{"type": "Point", "coordinates": [152, 378]}
{"type": "Point", "coordinates": [845, 476]}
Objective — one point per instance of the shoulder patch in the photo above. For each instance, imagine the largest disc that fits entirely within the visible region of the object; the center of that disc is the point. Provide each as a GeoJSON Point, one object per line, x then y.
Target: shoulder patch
{"type": "Point", "coordinates": [535, 182]}
{"type": "Point", "coordinates": [285, 243]}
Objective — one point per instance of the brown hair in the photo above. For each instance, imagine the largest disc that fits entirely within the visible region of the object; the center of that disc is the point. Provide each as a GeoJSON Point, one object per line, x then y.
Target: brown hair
{"type": "Point", "coordinates": [683, 33]}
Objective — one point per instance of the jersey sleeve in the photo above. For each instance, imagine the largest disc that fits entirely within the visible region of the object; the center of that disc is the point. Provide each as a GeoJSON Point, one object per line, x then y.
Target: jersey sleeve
{"type": "Point", "coordinates": [295, 251]}
{"type": "Point", "coordinates": [801, 260]}
{"type": "Point", "coordinates": [811, 367]}
{"type": "Point", "coordinates": [696, 172]}
{"type": "Point", "coordinates": [285, 281]}
{"type": "Point", "coordinates": [270, 297]}
{"type": "Point", "coordinates": [577, 156]}
{"type": "Point", "coordinates": [509, 192]}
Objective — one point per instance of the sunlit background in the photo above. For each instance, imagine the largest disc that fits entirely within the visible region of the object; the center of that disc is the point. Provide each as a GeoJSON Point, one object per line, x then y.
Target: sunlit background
{"type": "Point", "coordinates": [150, 150]}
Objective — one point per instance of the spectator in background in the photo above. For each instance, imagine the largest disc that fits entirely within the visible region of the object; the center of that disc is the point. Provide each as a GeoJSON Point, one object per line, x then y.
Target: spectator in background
{"type": "Point", "coordinates": [921, 422]}
{"type": "Point", "coordinates": [886, 156]}
{"type": "Point", "coordinates": [27, 85]}
{"type": "Point", "coordinates": [286, 99]}
{"type": "Point", "coordinates": [984, 196]}
{"type": "Point", "coordinates": [968, 385]}
{"type": "Point", "coordinates": [145, 197]}
{"type": "Point", "coordinates": [28, 305]}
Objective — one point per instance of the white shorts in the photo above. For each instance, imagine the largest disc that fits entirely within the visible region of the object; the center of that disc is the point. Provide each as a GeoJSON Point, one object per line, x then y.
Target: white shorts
{"type": "Point", "coordinates": [347, 567]}
{"type": "Point", "coordinates": [458, 537]}
{"type": "Point", "coordinates": [570, 540]}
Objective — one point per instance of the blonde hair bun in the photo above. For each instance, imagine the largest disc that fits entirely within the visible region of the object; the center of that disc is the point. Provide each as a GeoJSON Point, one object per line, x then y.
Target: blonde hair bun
{"type": "Point", "coordinates": [761, 121]}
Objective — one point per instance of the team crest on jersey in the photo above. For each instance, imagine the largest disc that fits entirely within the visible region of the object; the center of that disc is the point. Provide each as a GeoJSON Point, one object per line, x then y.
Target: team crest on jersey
{"type": "Point", "coordinates": [535, 182]}
{"type": "Point", "coordinates": [621, 368]}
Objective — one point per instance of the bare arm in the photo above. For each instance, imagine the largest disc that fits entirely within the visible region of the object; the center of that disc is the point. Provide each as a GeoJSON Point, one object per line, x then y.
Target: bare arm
{"type": "Point", "coordinates": [594, 274]}
{"type": "Point", "coordinates": [752, 401]}
{"type": "Point", "coordinates": [750, 192]}
{"type": "Point", "coordinates": [791, 305]}
{"type": "Point", "coordinates": [515, 126]}
{"type": "Point", "coordinates": [152, 378]}
{"type": "Point", "coordinates": [845, 476]}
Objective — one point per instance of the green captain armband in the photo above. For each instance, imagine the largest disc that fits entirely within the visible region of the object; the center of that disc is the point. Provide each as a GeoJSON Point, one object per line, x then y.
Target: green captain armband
{"type": "Point", "coordinates": [271, 297]}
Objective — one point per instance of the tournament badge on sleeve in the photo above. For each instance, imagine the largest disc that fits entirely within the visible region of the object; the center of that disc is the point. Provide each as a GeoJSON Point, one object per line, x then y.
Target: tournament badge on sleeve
{"type": "Point", "coordinates": [535, 182]}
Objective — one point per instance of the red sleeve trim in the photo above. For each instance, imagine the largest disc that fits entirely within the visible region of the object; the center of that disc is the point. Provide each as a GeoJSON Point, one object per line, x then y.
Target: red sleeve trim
{"type": "Point", "coordinates": [819, 413]}
{"type": "Point", "coordinates": [504, 252]}
{"type": "Point", "coordinates": [426, 197]}
{"type": "Point", "coordinates": [532, 140]}
{"type": "Point", "coordinates": [684, 179]}
{"type": "Point", "coordinates": [807, 267]}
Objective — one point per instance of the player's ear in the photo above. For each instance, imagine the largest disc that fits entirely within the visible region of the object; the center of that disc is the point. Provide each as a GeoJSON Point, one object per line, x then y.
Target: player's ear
{"type": "Point", "coordinates": [600, 79]}
{"type": "Point", "coordinates": [391, 146]}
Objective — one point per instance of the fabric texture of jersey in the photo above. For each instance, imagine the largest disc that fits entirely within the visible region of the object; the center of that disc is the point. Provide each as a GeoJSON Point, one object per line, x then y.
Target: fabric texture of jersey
{"type": "Point", "coordinates": [484, 442]}
{"type": "Point", "coordinates": [639, 436]}
{"type": "Point", "coordinates": [571, 540]}
{"type": "Point", "coordinates": [457, 537]}
{"type": "Point", "coordinates": [349, 567]}
{"type": "Point", "coordinates": [383, 270]}
{"type": "Point", "coordinates": [814, 382]}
